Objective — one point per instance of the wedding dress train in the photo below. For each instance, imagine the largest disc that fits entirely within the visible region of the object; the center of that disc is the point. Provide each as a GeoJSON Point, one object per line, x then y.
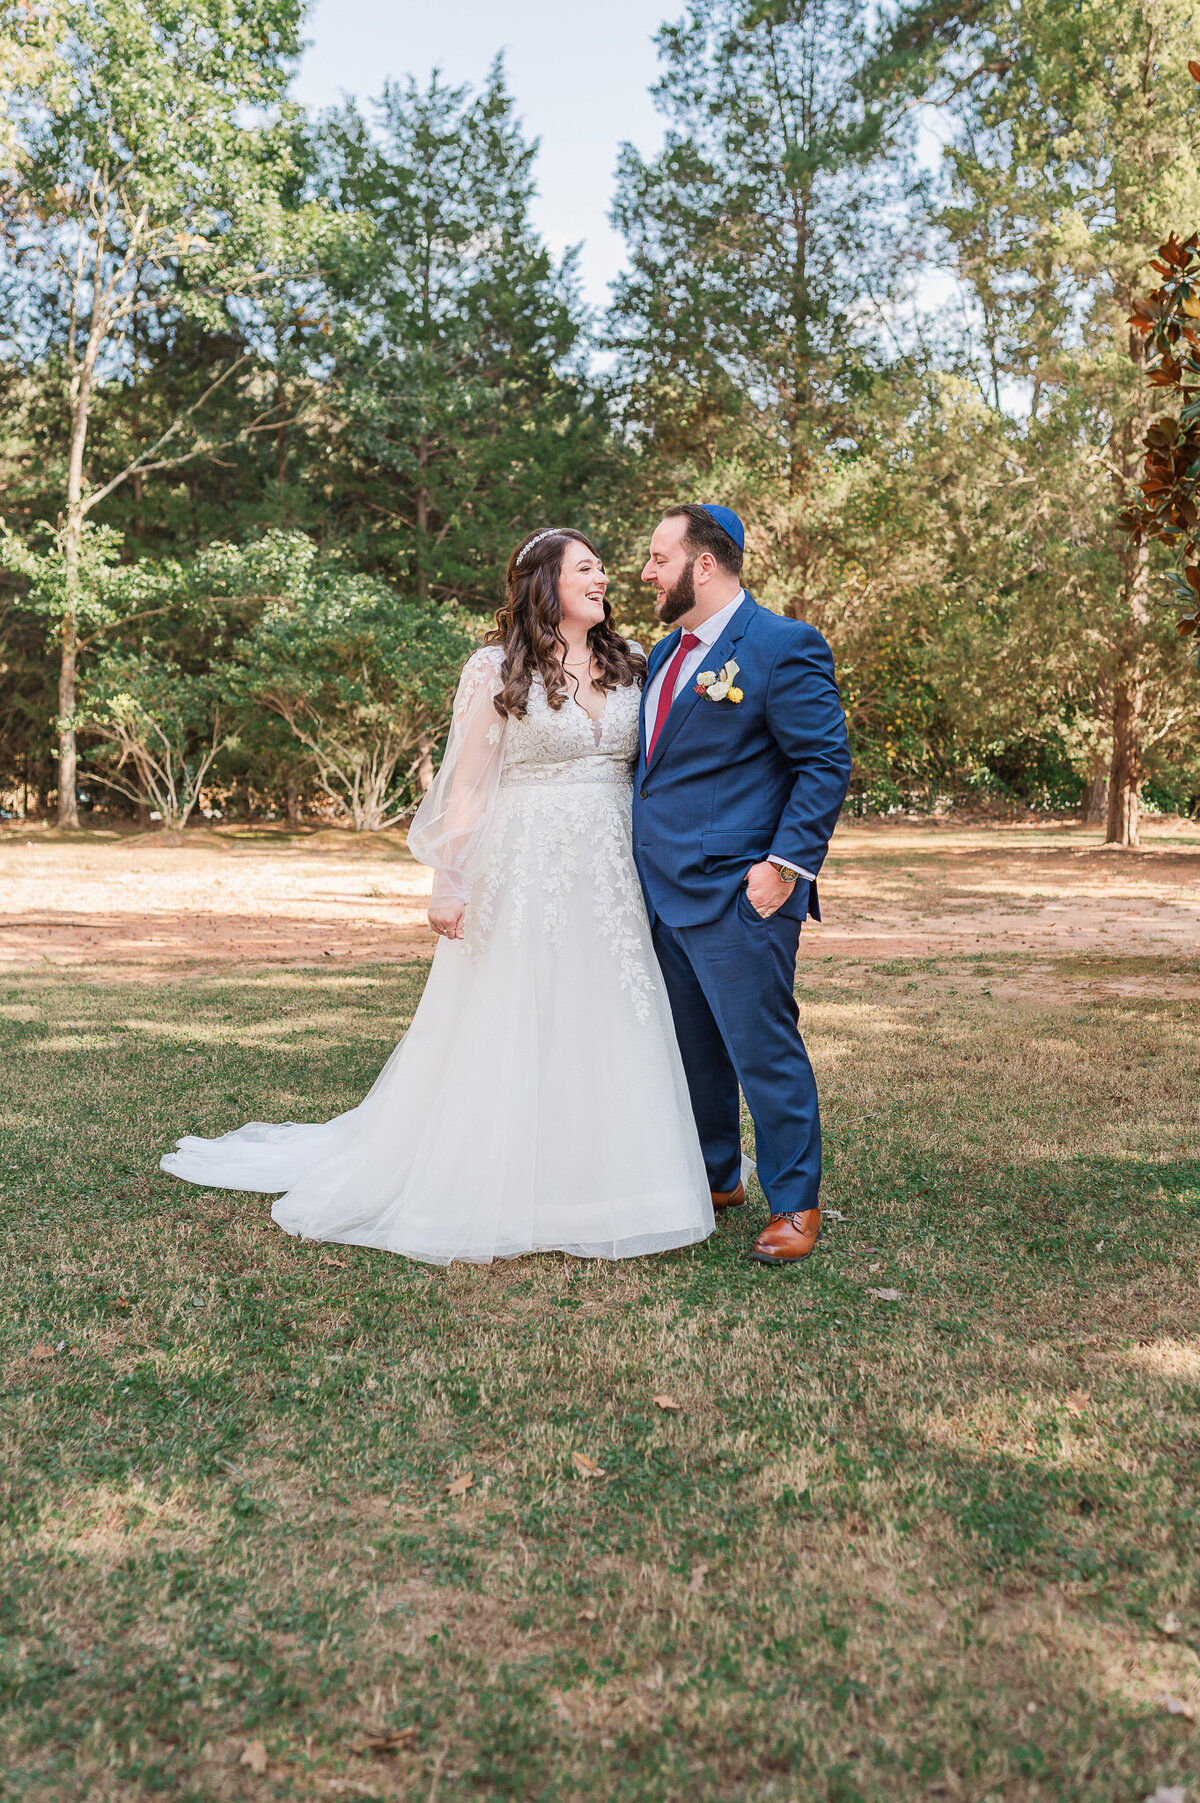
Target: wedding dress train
{"type": "Point", "coordinates": [537, 1101]}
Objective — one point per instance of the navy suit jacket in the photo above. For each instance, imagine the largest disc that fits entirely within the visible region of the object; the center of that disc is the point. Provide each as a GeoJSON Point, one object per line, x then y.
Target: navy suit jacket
{"type": "Point", "coordinates": [732, 782]}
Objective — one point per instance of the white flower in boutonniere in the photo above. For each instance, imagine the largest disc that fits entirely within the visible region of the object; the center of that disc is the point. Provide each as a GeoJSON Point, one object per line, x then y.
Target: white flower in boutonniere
{"type": "Point", "coordinates": [718, 685]}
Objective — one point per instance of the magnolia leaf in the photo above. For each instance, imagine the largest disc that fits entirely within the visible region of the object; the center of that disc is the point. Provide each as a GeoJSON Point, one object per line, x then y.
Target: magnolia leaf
{"type": "Point", "coordinates": [696, 1581]}
{"type": "Point", "coordinates": [1170, 1623]}
{"type": "Point", "coordinates": [586, 1467]}
{"type": "Point", "coordinates": [41, 1351]}
{"type": "Point", "coordinates": [1177, 1706]}
{"type": "Point", "coordinates": [461, 1485]}
{"type": "Point", "coordinates": [668, 1404]}
{"type": "Point", "coordinates": [1077, 1401]}
{"type": "Point", "coordinates": [338, 1264]}
{"type": "Point", "coordinates": [254, 1755]}
{"type": "Point", "coordinates": [1169, 1793]}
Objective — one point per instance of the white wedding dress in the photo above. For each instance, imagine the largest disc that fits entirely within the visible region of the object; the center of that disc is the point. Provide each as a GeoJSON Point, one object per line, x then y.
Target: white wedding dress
{"type": "Point", "coordinates": [538, 1101]}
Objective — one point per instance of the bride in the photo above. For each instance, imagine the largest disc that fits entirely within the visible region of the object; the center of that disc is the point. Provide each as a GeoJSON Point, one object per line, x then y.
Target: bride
{"type": "Point", "coordinates": [538, 1101]}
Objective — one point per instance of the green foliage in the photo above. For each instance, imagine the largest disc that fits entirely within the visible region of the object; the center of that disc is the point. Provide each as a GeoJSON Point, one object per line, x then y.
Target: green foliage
{"type": "Point", "coordinates": [466, 415]}
{"type": "Point", "coordinates": [362, 679]}
{"type": "Point", "coordinates": [158, 730]}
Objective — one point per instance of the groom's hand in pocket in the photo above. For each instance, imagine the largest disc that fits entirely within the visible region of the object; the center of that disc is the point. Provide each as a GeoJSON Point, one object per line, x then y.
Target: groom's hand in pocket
{"type": "Point", "coordinates": [766, 889]}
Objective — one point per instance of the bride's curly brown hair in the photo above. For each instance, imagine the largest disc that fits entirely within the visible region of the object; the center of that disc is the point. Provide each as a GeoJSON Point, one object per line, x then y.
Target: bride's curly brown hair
{"type": "Point", "coordinates": [527, 628]}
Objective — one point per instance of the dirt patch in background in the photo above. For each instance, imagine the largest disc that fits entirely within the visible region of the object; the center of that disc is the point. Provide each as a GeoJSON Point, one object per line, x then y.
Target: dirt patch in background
{"type": "Point", "coordinates": [1128, 923]}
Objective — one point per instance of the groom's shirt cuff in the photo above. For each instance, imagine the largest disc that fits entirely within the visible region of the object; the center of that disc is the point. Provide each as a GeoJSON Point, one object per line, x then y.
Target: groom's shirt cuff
{"type": "Point", "coordinates": [782, 864]}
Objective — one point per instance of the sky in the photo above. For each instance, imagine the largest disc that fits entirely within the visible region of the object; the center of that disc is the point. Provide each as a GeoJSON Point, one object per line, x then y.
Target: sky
{"type": "Point", "coordinates": [580, 76]}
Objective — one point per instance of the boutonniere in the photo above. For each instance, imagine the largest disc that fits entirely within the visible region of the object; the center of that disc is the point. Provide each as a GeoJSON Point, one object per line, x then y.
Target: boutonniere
{"type": "Point", "coordinates": [718, 685]}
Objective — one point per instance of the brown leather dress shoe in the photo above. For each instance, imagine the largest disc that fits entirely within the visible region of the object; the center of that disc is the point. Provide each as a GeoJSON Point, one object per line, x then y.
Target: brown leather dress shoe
{"type": "Point", "coordinates": [786, 1237]}
{"type": "Point", "coordinates": [726, 1200]}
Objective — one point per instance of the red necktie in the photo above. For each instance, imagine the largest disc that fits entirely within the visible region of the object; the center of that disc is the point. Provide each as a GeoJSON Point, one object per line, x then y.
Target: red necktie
{"type": "Point", "coordinates": [666, 694]}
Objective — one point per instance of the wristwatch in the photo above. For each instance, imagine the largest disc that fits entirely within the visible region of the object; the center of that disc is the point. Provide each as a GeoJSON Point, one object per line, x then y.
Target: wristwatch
{"type": "Point", "coordinates": [786, 875]}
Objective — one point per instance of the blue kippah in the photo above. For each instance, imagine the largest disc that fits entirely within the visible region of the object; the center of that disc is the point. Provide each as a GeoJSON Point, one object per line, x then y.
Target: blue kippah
{"type": "Point", "coordinates": [728, 521]}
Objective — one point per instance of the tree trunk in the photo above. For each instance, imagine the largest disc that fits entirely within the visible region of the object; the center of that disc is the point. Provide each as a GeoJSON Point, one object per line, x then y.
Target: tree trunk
{"type": "Point", "coordinates": [295, 815]}
{"type": "Point", "coordinates": [1129, 683]}
{"type": "Point", "coordinates": [1093, 803]}
{"type": "Point", "coordinates": [68, 806]}
{"type": "Point", "coordinates": [1125, 771]}
{"type": "Point", "coordinates": [422, 498]}
{"type": "Point", "coordinates": [425, 765]}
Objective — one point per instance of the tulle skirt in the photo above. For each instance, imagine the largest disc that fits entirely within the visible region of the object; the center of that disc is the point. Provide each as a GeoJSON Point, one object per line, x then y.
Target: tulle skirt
{"type": "Point", "coordinates": [536, 1103]}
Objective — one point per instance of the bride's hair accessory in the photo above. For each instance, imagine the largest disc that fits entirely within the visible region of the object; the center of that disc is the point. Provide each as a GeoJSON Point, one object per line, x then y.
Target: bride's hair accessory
{"type": "Point", "coordinates": [719, 685]}
{"type": "Point", "coordinates": [528, 629]}
{"type": "Point", "coordinates": [537, 538]}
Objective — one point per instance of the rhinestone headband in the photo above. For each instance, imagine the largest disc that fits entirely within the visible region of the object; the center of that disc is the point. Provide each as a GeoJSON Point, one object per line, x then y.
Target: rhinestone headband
{"type": "Point", "coordinates": [537, 538]}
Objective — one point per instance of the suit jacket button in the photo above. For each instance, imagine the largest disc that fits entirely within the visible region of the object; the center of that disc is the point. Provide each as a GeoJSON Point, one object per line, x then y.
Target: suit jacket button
{"type": "Point", "coordinates": [643, 791]}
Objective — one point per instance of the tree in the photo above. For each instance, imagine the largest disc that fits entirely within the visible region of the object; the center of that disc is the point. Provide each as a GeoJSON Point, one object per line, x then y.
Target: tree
{"type": "Point", "coordinates": [1075, 147]}
{"type": "Point", "coordinates": [1170, 508]}
{"type": "Point", "coordinates": [363, 680]}
{"type": "Point", "coordinates": [159, 731]}
{"type": "Point", "coordinates": [750, 321]}
{"type": "Point", "coordinates": [465, 413]}
{"type": "Point", "coordinates": [145, 163]}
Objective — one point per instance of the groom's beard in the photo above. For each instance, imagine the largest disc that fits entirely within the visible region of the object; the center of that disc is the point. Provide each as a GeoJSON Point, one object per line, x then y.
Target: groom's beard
{"type": "Point", "coordinates": [679, 600]}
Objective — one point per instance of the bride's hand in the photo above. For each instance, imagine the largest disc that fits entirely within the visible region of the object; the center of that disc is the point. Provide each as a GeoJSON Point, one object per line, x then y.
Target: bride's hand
{"type": "Point", "coordinates": [446, 919]}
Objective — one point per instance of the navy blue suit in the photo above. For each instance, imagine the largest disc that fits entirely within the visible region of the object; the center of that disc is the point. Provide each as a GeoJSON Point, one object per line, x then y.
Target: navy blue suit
{"type": "Point", "coordinates": [729, 784]}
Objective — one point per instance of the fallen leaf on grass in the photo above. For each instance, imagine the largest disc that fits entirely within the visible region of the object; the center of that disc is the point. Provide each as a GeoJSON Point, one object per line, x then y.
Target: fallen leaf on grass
{"type": "Point", "coordinates": [668, 1405]}
{"type": "Point", "coordinates": [254, 1755]}
{"type": "Point", "coordinates": [339, 1264]}
{"type": "Point", "coordinates": [1168, 1793]}
{"type": "Point", "coordinates": [1170, 1623]}
{"type": "Point", "coordinates": [461, 1485]}
{"type": "Point", "coordinates": [122, 1302]}
{"type": "Point", "coordinates": [388, 1740]}
{"type": "Point", "coordinates": [1176, 1706]}
{"type": "Point", "coordinates": [586, 1467]}
{"type": "Point", "coordinates": [833, 1214]}
{"type": "Point", "coordinates": [696, 1581]}
{"type": "Point", "coordinates": [888, 1295]}
{"type": "Point", "coordinates": [586, 1615]}
{"type": "Point", "coordinates": [41, 1351]}
{"type": "Point", "coordinates": [1077, 1401]}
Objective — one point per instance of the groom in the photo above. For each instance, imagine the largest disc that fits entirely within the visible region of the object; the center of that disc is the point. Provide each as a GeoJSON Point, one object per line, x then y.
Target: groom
{"type": "Point", "coordinates": [744, 766]}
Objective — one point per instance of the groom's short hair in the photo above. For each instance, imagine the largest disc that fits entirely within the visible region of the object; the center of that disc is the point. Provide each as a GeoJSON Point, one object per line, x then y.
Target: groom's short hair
{"type": "Point", "coordinates": [703, 534]}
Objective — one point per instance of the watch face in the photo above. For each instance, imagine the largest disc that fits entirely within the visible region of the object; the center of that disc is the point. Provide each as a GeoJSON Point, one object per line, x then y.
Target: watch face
{"type": "Point", "coordinates": [787, 876]}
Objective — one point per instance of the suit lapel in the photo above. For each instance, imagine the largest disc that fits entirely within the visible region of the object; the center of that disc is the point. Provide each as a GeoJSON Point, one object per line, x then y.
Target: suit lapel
{"type": "Point", "coordinates": [721, 651]}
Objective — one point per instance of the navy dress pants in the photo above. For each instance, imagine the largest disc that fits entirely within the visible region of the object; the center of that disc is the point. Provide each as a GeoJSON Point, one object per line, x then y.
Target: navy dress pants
{"type": "Point", "coordinates": [730, 984]}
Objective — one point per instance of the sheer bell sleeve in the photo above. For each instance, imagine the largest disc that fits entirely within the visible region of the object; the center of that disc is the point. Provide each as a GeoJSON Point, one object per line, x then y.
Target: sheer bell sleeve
{"type": "Point", "coordinates": [450, 828]}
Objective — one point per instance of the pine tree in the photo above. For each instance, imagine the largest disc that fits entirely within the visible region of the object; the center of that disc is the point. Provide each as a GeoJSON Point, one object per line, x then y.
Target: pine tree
{"type": "Point", "coordinates": [466, 416]}
{"type": "Point", "coordinates": [1076, 149]}
{"type": "Point", "coordinates": [746, 327]}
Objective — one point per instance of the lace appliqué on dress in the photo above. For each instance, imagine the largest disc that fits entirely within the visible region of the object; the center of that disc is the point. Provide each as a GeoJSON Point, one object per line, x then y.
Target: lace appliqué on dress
{"type": "Point", "coordinates": [562, 818]}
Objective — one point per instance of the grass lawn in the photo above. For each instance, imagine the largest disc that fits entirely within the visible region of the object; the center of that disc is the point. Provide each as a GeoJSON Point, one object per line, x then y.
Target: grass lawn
{"type": "Point", "coordinates": [941, 1545]}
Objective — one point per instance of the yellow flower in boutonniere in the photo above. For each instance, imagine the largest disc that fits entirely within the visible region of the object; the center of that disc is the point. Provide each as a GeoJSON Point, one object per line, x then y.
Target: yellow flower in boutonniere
{"type": "Point", "coordinates": [718, 684]}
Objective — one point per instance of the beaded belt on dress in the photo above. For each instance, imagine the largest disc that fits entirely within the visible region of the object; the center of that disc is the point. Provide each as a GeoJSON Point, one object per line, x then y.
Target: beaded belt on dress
{"type": "Point", "coordinates": [601, 769]}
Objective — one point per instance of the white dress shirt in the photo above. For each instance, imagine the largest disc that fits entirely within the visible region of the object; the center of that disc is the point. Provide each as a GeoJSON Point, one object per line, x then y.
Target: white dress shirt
{"type": "Point", "coordinates": [708, 632]}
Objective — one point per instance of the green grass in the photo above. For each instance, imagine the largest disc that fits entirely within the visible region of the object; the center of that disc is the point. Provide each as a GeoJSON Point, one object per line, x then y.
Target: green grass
{"type": "Point", "coordinates": [882, 1550]}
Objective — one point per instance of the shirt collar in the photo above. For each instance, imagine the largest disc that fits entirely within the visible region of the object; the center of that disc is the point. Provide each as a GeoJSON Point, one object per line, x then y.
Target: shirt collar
{"type": "Point", "coordinates": [710, 630]}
